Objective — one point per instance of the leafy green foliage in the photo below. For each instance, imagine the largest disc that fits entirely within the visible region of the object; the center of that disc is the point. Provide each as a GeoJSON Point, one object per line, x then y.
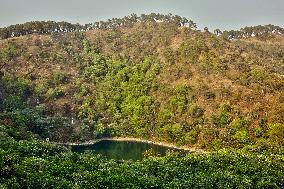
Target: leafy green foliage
{"type": "Point", "coordinates": [42, 165]}
{"type": "Point", "coordinates": [276, 133]}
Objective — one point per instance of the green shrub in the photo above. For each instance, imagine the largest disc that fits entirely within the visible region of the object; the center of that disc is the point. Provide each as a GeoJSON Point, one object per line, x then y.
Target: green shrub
{"type": "Point", "coordinates": [257, 74]}
{"type": "Point", "coordinates": [224, 115]}
{"type": "Point", "coordinates": [241, 137]}
{"type": "Point", "coordinates": [276, 133]}
{"type": "Point", "coordinates": [194, 110]}
{"type": "Point", "coordinates": [191, 137]}
{"type": "Point", "coordinates": [258, 132]}
{"type": "Point", "coordinates": [54, 93]}
{"type": "Point", "coordinates": [59, 77]}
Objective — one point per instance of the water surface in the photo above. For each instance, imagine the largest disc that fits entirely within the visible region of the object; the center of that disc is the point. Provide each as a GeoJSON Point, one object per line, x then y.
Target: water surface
{"type": "Point", "coordinates": [122, 149]}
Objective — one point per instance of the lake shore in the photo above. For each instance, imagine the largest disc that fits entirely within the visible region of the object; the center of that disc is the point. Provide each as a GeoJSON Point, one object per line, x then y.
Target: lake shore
{"type": "Point", "coordinates": [130, 139]}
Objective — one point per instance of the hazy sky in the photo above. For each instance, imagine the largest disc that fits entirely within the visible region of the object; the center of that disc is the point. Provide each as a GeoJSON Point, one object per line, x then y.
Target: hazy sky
{"type": "Point", "coordinates": [223, 14]}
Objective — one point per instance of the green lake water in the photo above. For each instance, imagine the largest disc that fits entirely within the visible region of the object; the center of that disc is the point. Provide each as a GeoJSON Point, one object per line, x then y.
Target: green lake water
{"type": "Point", "coordinates": [125, 150]}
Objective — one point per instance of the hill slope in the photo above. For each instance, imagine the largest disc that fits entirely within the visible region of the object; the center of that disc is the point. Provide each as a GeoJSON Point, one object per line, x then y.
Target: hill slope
{"type": "Point", "coordinates": [155, 80]}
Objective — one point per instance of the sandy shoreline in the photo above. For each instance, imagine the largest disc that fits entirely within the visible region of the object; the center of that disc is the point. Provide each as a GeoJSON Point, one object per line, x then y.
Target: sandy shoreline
{"type": "Point", "coordinates": [133, 140]}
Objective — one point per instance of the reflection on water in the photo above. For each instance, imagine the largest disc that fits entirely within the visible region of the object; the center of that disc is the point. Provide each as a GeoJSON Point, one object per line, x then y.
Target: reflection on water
{"type": "Point", "coordinates": [121, 149]}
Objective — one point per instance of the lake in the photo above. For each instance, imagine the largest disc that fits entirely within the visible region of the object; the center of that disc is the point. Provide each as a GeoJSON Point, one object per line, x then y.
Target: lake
{"type": "Point", "coordinates": [125, 150]}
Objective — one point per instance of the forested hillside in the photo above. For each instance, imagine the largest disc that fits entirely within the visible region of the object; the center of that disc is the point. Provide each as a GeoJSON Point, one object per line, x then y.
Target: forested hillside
{"type": "Point", "coordinates": [152, 77]}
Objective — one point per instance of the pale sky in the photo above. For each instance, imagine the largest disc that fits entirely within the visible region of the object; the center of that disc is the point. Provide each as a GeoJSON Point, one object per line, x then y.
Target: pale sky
{"type": "Point", "coordinates": [223, 14]}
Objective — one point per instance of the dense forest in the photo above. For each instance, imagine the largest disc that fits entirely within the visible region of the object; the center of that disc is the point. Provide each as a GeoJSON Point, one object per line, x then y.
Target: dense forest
{"type": "Point", "coordinates": [153, 77]}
